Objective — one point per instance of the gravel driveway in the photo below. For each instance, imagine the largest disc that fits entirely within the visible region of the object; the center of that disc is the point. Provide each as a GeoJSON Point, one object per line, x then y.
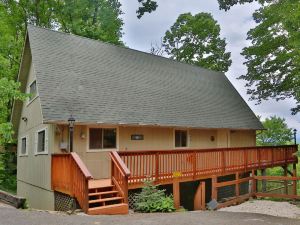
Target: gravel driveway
{"type": "Point", "coordinates": [12, 216]}
{"type": "Point", "coordinates": [283, 209]}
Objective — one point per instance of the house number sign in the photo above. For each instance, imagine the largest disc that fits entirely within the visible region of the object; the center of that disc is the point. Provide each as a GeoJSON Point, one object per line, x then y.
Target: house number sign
{"type": "Point", "coordinates": [137, 137]}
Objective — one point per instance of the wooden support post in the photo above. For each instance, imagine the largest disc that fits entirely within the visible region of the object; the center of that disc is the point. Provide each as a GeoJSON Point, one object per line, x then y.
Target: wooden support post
{"type": "Point", "coordinates": [237, 185]}
{"type": "Point", "coordinates": [264, 182]}
{"type": "Point", "coordinates": [199, 199]}
{"type": "Point", "coordinates": [286, 187]}
{"type": "Point", "coordinates": [214, 190]}
{"type": "Point", "coordinates": [295, 182]}
{"type": "Point", "coordinates": [254, 184]}
{"type": "Point", "coordinates": [176, 193]}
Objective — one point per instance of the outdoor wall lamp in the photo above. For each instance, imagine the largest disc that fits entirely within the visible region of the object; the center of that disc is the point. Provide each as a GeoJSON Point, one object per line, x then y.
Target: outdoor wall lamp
{"type": "Point", "coordinates": [71, 122]}
{"type": "Point", "coordinates": [295, 134]}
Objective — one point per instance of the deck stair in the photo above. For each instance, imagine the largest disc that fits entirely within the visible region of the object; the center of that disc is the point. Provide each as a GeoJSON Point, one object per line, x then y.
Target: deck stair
{"type": "Point", "coordinates": [104, 198]}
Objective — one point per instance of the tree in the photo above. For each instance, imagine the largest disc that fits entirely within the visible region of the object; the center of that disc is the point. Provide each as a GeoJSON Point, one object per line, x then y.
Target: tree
{"type": "Point", "coordinates": [273, 59]}
{"type": "Point", "coordinates": [196, 40]}
{"type": "Point", "coordinates": [276, 133]}
{"type": "Point", "coordinates": [146, 6]}
{"type": "Point", "coordinates": [96, 19]}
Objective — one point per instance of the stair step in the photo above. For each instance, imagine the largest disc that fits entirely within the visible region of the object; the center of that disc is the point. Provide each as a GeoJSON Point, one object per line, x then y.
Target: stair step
{"type": "Point", "coordinates": [101, 187]}
{"type": "Point", "coordinates": [114, 209]}
{"type": "Point", "coordinates": [103, 193]}
{"type": "Point", "coordinates": [100, 183]}
{"type": "Point", "coordinates": [105, 199]}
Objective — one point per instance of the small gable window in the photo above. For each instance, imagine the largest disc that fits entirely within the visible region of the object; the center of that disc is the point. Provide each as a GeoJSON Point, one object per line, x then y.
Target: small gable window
{"type": "Point", "coordinates": [102, 138]}
{"type": "Point", "coordinates": [41, 140]}
{"type": "Point", "coordinates": [180, 138]}
{"type": "Point", "coordinates": [23, 146]}
{"type": "Point", "coordinates": [32, 91]}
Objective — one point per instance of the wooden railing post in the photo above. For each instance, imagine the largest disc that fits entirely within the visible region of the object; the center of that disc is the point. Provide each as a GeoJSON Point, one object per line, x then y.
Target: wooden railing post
{"type": "Point", "coordinates": [246, 159]}
{"type": "Point", "coordinates": [194, 164]}
{"type": "Point", "coordinates": [223, 161]}
{"type": "Point", "coordinates": [157, 167]}
{"type": "Point", "coordinates": [258, 155]}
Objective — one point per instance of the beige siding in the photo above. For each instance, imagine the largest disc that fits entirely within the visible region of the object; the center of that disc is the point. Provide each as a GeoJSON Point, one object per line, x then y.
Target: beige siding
{"type": "Point", "coordinates": [36, 197]}
{"type": "Point", "coordinates": [34, 171]}
{"type": "Point", "coordinates": [154, 139]}
{"type": "Point", "coordinates": [240, 138]}
{"type": "Point", "coordinates": [203, 138]}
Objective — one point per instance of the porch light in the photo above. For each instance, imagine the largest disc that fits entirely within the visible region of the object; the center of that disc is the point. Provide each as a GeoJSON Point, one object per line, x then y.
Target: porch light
{"type": "Point", "coordinates": [295, 134]}
{"type": "Point", "coordinates": [71, 122]}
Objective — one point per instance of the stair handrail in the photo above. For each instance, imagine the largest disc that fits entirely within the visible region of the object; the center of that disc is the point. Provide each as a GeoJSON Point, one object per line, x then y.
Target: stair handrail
{"type": "Point", "coordinates": [82, 166]}
{"type": "Point", "coordinates": [75, 178]}
{"type": "Point", "coordinates": [119, 174]}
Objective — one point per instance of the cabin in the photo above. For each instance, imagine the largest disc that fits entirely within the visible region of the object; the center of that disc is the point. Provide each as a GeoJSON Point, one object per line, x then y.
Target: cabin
{"type": "Point", "coordinates": [102, 119]}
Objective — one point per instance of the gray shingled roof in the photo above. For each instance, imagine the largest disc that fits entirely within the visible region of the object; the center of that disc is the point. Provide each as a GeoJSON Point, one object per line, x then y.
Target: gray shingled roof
{"type": "Point", "coordinates": [102, 83]}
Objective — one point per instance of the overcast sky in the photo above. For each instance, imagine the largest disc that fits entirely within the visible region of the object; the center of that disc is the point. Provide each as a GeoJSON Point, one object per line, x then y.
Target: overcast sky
{"type": "Point", "coordinates": [139, 34]}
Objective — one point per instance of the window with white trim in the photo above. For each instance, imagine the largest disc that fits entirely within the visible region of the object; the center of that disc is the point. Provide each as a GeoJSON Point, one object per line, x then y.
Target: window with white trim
{"type": "Point", "coordinates": [102, 138]}
{"type": "Point", "coordinates": [32, 90]}
{"type": "Point", "coordinates": [23, 146]}
{"type": "Point", "coordinates": [181, 138]}
{"type": "Point", "coordinates": [41, 142]}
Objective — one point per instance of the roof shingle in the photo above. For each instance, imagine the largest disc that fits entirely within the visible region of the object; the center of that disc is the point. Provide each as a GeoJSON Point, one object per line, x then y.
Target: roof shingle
{"type": "Point", "coordinates": [98, 82]}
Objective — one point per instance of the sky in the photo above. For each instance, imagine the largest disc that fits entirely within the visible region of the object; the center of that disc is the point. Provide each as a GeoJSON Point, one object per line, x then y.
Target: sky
{"type": "Point", "coordinates": [235, 23]}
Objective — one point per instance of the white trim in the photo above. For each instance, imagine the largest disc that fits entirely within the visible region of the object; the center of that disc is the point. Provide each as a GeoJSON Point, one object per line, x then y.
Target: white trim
{"type": "Point", "coordinates": [103, 149]}
{"type": "Point", "coordinates": [20, 146]}
{"type": "Point", "coordinates": [45, 142]}
{"type": "Point", "coordinates": [29, 101]}
{"type": "Point", "coordinates": [187, 138]}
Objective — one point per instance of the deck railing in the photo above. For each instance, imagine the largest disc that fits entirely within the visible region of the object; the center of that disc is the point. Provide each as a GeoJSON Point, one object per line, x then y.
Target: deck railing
{"type": "Point", "coordinates": [70, 176]}
{"type": "Point", "coordinates": [189, 164]}
{"type": "Point", "coordinates": [119, 175]}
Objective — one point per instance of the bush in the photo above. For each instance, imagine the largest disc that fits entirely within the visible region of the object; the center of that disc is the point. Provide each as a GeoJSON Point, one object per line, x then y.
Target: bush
{"type": "Point", "coordinates": [8, 171]}
{"type": "Point", "coordinates": [153, 200]}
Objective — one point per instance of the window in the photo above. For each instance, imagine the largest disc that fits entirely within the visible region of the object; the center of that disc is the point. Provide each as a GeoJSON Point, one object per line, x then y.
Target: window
{"type": "Point", "coordinates": [102, 138]}
{"type": "Point", "coordinates": [41, 142]}
{"type": "Point", "coordinates": [32, 90]}
{"type": "Point", "coordinates": [180, 138]}
{"type": "Point", "coordinates": [23, 146]}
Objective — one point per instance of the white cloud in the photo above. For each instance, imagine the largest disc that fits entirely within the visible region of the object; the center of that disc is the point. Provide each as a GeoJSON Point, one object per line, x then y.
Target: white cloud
{"type": "Point", "coordinates": [139, 34]}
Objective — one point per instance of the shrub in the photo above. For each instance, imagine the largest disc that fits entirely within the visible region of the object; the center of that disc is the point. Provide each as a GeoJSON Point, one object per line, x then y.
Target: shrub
{"type": "Point", "coordinates": [153, 200]}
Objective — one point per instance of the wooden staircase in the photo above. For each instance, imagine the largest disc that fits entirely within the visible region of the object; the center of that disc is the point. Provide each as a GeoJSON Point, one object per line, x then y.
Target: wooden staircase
{"type": "Point", "coordinates": [69, 175]}
{"type": "Point", "coordinates": [104, 198]}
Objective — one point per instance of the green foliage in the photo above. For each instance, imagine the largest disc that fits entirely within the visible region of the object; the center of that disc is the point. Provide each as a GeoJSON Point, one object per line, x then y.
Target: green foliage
{"type": "Point", "coordinates": [8, 171]}
{"type": "Point", "coordinates": [196, 40]}
{"type": "Point", "coordinates": [276, 133]}
{"type": "Point", "coordinates": [146, 6]}
{"type": "Point", "coordinates": [153, 200]}
{"type": "Point", "coordinates": [273, 59]}
{"type": "Point", "coordinates": [96, 19]}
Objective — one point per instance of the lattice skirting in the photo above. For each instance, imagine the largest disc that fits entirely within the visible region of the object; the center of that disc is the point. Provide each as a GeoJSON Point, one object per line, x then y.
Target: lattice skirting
{"type": "Point", "coordinates": [64, 202]}
{"type": "Point", "coordinates": [131, 197]}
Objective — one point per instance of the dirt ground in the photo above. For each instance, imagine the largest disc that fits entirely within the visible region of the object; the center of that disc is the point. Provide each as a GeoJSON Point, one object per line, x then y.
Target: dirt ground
{"type": "Point", "coordinates": [12, 216]}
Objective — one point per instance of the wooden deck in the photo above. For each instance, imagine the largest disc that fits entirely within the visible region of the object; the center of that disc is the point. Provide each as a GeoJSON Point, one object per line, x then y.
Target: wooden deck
{"type": "Point", "coordinates": [130, 169]}
{"type": "Point", "coordinates": [194, 164]}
